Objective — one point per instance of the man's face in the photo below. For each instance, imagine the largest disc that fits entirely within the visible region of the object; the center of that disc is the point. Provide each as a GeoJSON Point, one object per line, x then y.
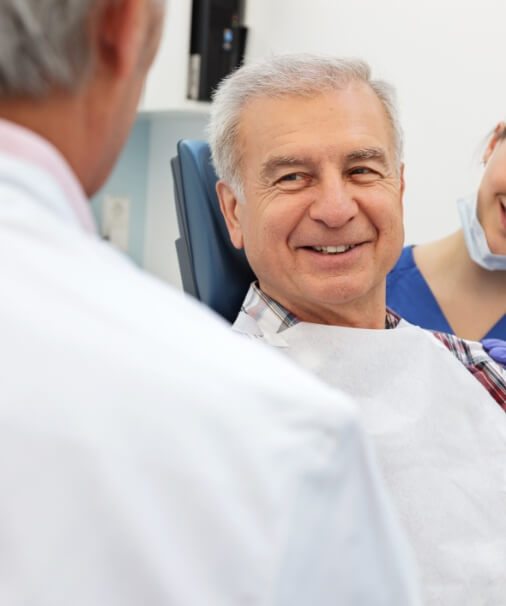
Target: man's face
{"type": "Point", "coordinates": [322, 219]}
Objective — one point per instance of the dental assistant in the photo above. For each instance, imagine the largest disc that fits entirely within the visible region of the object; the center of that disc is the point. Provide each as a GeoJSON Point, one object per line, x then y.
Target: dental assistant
{"type": "Point", "coordinates": [458, 284]}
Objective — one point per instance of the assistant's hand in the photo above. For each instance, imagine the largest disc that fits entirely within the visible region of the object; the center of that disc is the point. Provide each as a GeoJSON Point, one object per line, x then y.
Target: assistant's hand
{"type": "Point", "coordinates": [496, 349]}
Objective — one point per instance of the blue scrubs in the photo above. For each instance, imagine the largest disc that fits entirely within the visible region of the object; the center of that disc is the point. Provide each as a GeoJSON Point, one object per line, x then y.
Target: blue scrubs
{"type": "Point", "coordinates": [410, 296]}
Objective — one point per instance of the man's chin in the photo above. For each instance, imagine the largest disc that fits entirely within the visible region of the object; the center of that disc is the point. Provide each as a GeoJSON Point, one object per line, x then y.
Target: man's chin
{"type": "Point", "coordinates": [339, 302]}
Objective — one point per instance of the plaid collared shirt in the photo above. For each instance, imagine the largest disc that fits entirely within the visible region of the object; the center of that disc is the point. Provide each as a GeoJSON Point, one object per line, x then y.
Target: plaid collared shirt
{"type": "Point", "coordinates": [259, 306]}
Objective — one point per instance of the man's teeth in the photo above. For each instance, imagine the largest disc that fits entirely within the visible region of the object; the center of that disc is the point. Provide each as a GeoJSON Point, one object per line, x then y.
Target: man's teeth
{"type": "Point", "coordinates": [332, 250]}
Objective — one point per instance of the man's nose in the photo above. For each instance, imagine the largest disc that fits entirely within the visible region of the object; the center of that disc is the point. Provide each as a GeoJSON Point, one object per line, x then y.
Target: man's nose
{"type": "Point", "coordinates": [333, 203]}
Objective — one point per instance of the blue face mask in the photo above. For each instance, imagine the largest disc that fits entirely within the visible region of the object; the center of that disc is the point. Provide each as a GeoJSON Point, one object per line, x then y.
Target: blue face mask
{"type": "Point", "coordinates": [476, 240]}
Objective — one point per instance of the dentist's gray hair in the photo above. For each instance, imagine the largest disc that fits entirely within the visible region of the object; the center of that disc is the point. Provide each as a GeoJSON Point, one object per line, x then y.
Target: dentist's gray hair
{"type": "Point", "coordinates": [44, 44]}
{"type": "Point", "coordinates": [277, 76]}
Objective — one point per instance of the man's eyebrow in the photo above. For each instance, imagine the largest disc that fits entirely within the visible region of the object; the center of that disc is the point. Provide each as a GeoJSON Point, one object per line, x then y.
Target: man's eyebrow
{"type": "Point", "coordinates": [270, 166]}
{"type": "Point", "coordinates": [367, 153]}
{"type": "Point", "coordinates": [274, 163]}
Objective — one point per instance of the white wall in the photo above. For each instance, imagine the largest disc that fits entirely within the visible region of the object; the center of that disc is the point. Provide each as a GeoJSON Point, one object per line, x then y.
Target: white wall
{"type": "Point", "coordinates": [445, 58]}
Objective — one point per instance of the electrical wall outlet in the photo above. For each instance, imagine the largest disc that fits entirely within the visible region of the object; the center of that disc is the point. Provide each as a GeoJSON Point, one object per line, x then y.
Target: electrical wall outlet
{"type": "Point", "coordinates": [115, 220]}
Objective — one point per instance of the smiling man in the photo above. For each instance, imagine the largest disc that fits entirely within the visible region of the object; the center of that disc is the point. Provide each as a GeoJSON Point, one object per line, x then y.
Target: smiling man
{"type": "Point", "coordinates": [326, 225]}
{"type": "Point", "coordinates": [309, 152]}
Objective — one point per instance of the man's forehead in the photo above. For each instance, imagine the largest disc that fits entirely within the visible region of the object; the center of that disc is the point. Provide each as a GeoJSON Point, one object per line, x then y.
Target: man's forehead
{"type": "Point", "coordinates": [267, 102]}
{"type": "Point", "coordinates": [356, 106]}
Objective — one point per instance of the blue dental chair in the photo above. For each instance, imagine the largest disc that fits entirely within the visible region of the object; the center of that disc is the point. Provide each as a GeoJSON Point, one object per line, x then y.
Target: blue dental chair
{"type": "Point", "coordinates": [212, 270]}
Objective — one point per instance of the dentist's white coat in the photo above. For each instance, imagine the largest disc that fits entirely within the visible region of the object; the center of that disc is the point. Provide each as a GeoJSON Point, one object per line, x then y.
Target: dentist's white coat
{"type": "Point", "coordinates": [148, 456]}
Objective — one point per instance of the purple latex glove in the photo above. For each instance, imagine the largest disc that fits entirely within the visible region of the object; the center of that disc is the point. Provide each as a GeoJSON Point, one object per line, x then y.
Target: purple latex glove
{"type": "Point", "coordinates": [496, 349]}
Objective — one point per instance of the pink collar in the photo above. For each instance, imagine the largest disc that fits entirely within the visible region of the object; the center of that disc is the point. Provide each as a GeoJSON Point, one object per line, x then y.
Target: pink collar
{"type": "Point", "coordinates": [22, 143]}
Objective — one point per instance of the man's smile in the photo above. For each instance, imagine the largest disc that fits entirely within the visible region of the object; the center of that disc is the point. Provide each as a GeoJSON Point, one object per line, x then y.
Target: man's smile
{"type": "Point", "coordinates": [330, 255]}
{"type": "Point", "coordinates": [333, 250]}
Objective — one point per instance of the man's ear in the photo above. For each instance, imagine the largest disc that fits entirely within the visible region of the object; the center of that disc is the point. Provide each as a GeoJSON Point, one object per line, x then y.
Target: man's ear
{"type": "Point", "coordinates": [498, 131]}
{"type": "Point", "coordinates": [231, 209]}
{"type": "Point", "coordinates": [119, 33]}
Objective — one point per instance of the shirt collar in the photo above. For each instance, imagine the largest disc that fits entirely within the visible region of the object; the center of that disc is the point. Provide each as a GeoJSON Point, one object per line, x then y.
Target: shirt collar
{"type": "Point", "coordinates": [19, 142]}
{"type": "Point", "coordinates": [273, 317]}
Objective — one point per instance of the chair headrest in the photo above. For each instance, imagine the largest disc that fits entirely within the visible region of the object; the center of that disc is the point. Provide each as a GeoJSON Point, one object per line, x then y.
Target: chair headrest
{"type": "Point", "coordinates": [221, 273]}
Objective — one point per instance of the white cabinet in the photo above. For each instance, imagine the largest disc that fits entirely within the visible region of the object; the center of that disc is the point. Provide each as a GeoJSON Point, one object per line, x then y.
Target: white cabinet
{"type": "Point", "coordinates": [166, 84]}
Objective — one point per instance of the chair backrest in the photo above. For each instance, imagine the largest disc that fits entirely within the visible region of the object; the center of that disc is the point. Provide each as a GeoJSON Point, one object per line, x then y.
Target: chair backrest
{"type": "Point", "coordinates": [212, 269]}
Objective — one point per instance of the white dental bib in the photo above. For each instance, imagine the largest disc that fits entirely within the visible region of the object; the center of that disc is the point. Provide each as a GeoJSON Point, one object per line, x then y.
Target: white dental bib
{"type": "Point", "coordinates": [441, 441]}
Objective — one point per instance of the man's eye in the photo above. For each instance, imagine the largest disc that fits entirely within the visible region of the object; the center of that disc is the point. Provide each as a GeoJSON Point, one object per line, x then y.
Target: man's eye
{"type": "Point", "coordinates": [361, 171]}
{"type": "Point", "coordinates": [363, 174]}
{"type": "Point", "coordinates": [291, 177]}
{"type": "Point", "coordinates": [293, 181]}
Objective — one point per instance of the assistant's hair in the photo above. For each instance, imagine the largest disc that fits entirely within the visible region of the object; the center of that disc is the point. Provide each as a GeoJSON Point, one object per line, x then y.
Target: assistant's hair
{"type": "Point", "coordinates": [277, 76]}
{"type": "Point", "coordinates": [44, 44]}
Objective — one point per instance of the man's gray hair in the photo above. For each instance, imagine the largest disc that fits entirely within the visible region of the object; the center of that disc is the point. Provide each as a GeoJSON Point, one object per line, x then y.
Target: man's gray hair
{"type": "Point", "coordinates": [295, 74]}
{"type": "Point", "coordinates": [44, 44]}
